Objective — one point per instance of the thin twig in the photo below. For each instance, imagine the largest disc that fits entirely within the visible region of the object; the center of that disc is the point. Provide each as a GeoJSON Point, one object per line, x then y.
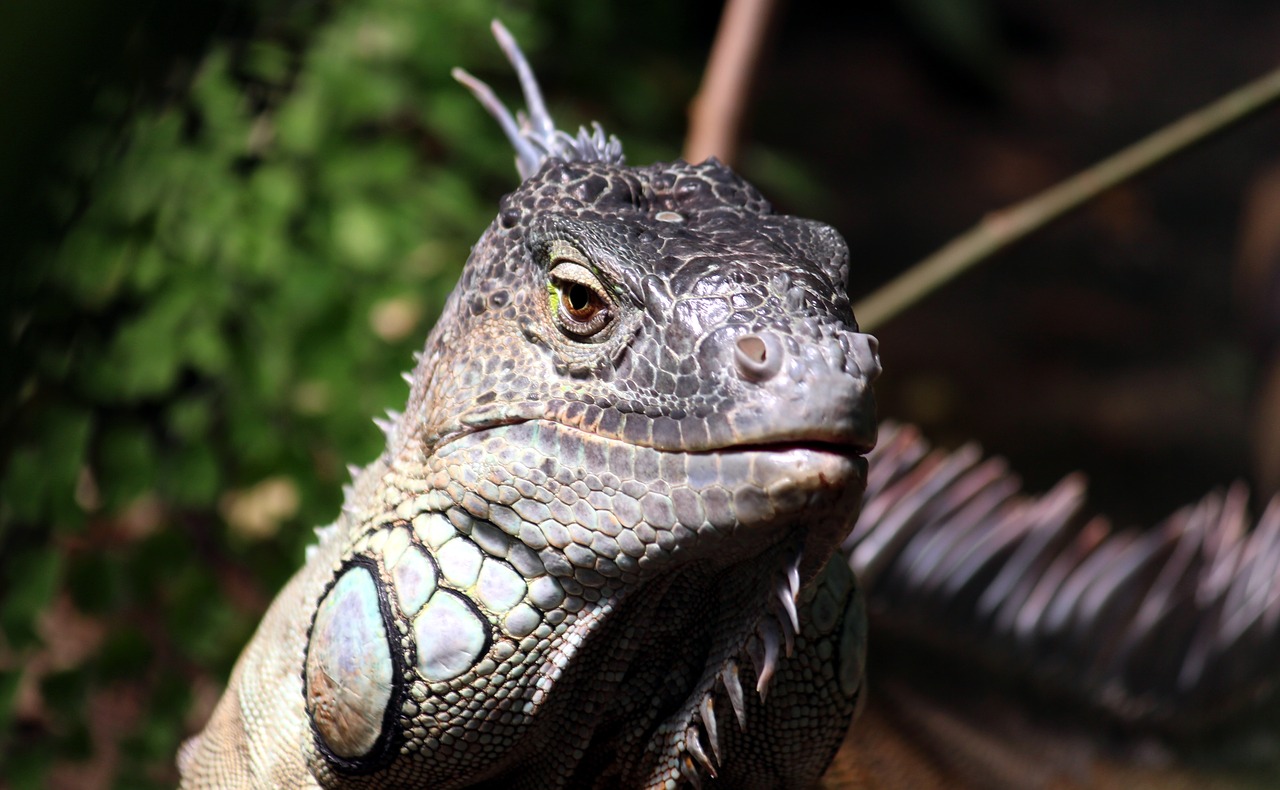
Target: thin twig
{"type": "Point", "coordinates": [717, 111]}
{"type": "Point", "coordinates": [1002, 228]}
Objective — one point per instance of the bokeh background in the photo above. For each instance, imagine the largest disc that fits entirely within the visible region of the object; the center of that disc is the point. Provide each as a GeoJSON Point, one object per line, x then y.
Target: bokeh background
{"type": "Point", "coordinates": [226, 224]}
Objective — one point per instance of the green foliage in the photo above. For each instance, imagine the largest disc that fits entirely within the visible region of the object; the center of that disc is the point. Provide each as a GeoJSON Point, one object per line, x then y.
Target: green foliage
{"type": "Point", "coordinates": [197, 356]}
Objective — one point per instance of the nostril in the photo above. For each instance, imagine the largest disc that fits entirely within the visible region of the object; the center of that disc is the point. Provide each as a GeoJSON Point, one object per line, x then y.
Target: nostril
{"type": "Point", "coordinates": [758, 356]}
{"type": "Point", "coordinates": [754, 349]}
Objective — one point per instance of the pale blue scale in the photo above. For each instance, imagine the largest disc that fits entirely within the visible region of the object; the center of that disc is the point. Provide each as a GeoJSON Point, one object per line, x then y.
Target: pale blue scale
{"type": "Point", "coordinates": [546, 593]}
{"type": "Point", "coordinates": [397, 542]}
{"type": "Point", "coordinates": [499, 587]}
{"type": "Point", "coordinates": [415, 580]}
{"type": "Point", "coordinates": [433, 529]}
{"type": "Point", "coordinates": [450, 637]}
{"type": "Point", "coordinates": [349, 669]}
{"type": "Point", "coordinates": [522, 620]}
{"type": "Point", "coordinates": [459, 562]}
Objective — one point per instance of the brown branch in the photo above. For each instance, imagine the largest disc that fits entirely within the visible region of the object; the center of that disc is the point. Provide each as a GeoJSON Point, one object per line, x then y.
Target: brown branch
{"type": "Point", "coordinates": [1002, 228]}
{"type": "Point", "coordinates": [717, 111]}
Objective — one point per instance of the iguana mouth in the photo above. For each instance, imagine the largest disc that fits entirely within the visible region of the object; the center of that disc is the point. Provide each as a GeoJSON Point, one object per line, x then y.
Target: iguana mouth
{"type": "Point", "coordinates": [818, 438]}
{"type": "Point", "coordinates": [737, 489]}
{"type": "Point", "coordinates": [833, 446]}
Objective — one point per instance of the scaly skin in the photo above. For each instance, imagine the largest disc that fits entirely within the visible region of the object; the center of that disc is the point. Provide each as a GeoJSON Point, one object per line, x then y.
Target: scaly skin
{"type": "Point", "coordinates": [599, 537]}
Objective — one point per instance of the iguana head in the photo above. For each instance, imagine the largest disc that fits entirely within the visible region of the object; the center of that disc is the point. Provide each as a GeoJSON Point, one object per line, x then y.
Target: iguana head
{"type": "Point", "coordinates": [663, 307]}
{"type": "Point", "coordinates": [643, 411]}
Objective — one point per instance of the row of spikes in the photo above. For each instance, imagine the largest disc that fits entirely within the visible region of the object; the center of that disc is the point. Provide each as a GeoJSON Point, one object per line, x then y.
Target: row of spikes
{"type": "Point", "coordinates": [774, 636]}
{"type": "Point", "coordinates": [390, 426]}
{"type": "Point", "coordinates": [1177, 626]}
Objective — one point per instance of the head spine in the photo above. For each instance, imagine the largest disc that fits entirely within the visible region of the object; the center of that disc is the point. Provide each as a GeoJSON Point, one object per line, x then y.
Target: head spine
{"type": "Point", "coordinates": [535, 136]}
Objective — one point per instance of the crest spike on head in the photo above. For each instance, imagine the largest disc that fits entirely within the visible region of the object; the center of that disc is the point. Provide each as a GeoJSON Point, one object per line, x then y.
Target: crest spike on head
{"type": "Point", "coordinates": [539, 119]}
{"type": "Point", "coordinates": [528, 158]}
{"type": "Point", "coordinates": [535, 136]}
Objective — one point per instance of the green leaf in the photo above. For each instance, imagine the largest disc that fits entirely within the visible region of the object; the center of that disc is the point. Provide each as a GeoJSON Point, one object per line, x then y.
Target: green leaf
{"type": "Point", "coordinates": [359, 234]}
{"type": "Point", "coordinates": [33, 579]}
{"type": "Point", "coordinates": [191, 476]}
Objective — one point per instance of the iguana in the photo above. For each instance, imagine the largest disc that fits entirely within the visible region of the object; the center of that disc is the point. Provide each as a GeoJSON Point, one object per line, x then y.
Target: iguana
{"type": "Point", "coordinates": [611, 541]}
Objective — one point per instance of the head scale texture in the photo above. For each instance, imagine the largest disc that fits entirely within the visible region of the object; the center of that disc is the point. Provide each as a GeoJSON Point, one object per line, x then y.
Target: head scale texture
{"type": "Point", "coordinates": [700, 279]}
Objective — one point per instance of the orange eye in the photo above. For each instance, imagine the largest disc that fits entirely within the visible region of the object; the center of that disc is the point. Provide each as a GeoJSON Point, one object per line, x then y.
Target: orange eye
{"type": "Point", "coordinates": [581, 307]}
{"type": "Point", "coordinates": [581, 302]}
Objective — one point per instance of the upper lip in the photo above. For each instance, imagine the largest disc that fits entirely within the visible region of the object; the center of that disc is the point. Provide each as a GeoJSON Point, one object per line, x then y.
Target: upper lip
{"type": "Point", "coordinates": [832, 444]}
{"type": "Point", "coordinates": [848, 442]}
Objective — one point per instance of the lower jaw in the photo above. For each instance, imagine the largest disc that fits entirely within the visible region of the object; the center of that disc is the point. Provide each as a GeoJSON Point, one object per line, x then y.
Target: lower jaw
{"type": "Point", "coordinates": [812, 497]}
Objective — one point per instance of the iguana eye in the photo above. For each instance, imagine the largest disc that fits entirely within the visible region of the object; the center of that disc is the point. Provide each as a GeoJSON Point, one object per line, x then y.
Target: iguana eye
{"type": "Point", "coordinates": [578, 300]}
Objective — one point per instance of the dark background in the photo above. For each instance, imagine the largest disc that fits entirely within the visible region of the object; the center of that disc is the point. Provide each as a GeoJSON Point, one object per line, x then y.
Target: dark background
{"type": "Point", "coordinates": [227, 223]}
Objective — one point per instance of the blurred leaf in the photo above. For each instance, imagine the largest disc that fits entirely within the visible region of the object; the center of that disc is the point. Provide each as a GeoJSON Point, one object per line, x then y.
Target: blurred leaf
{"type": "Point", "coordinates": [125, 649]}
{"type": "Point", "coordinates": [96, 583]}
{"type": "Point", "coordinates": [127, 462]}
{"type": "Point", "coordinates": [9, 682]}
{"type": "Point", "coordinates": [33, 580]}
{"type": "Point", "coordinates": [359, 234]}
{"type": "Point", "coordinates": [191, 476]}
{"type": "Point", "coordinates": [65, 692]}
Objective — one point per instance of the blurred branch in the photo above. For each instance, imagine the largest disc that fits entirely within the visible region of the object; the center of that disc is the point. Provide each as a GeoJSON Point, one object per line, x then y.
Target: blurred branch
{"type": "Point", "coordinates": [1002, 228]}
{"type": "Point", "coordinates": [716, 113]}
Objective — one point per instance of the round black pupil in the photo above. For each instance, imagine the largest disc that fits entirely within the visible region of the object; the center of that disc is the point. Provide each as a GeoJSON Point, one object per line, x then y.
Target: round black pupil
{"type": "Point", "coordinates": [579, 297]}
